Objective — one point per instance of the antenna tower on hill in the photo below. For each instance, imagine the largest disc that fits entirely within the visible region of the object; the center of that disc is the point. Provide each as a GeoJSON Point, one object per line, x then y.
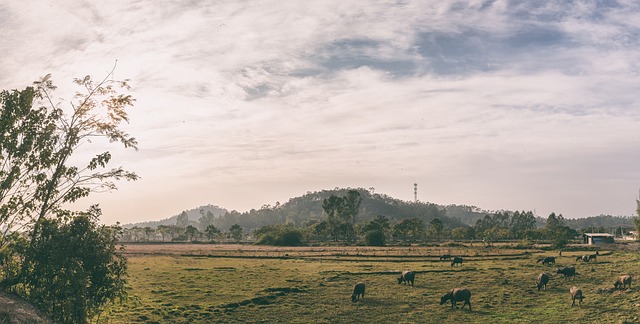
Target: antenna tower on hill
{"type": "Point", "coordinates": [415, 192]}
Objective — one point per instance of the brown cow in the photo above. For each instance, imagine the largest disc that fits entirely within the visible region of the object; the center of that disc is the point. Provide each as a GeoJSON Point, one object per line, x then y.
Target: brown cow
{"type": "Point", "coordinates": [456, 295]}
{"type": "Point", "coordinates": [623, 281]}
{"type": "Point", "coordinates": [407, 277]}
{"type": "Point", "coordinates": [576, 293]}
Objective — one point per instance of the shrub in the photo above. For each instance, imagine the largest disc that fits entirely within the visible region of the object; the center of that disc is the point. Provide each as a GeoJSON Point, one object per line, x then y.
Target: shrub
{"type": "Point", "coordinates": [375, 238]}
{"type": "Point", "coordinates": [72, 269]}
{"type": "Point", "coordinates": [279, 236]}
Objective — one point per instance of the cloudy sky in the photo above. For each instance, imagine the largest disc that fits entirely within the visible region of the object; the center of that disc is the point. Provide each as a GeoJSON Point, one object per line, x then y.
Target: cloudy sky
{"type": "Point", "coordinates": [519, 105]}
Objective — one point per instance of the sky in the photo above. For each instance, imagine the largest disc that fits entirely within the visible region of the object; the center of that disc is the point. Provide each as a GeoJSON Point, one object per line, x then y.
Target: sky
{"type": "Point", "coordinates": [515, 105]}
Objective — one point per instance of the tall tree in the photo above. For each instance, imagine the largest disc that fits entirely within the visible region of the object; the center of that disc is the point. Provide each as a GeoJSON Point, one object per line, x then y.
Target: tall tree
{"type": "Point", "coordinates": [408, 228]}
{"type": "Point", "coordinates": [182, 220]}
{"type": "Point", "coordinates": [636, 220]}
{"type": "Point", "coordinates": [342, 213]}
{"type": "Point", "coordinates": [211, 232]}
{"type": "Point", "coordinates": [40, 175]}
{"type": "Point", "coordinates": [206, 219]}
{"type": "Point", "coordinates": [352, 201]}
{"type": "Point", "coordinates": [236, 232]}
{"type": "Point", "coordinates": [436, 227]}
{"type": "Point", "coordinates": [332, 207]}
{"type": "Point", "coordinates": [163, 230]}
{"type": "Point", "coordinates": [190, 231]}
{"type": "Point", "coordinates": [557, 232]}
{"type": "Point", "coordinates": [522, 224]}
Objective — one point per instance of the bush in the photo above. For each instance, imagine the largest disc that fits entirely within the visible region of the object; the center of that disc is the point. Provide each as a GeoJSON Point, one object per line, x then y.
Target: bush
{"type": "Point", "coordinates": [72, 269]}
{"type": "Point", "coordinates": [375, 238]}
{"type": "Point", "coordinates": [279, 236]}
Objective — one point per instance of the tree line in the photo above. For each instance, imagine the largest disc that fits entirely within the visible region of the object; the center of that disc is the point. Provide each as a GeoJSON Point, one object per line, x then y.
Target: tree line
{"type": "Point", "coordinates": [342, 222]}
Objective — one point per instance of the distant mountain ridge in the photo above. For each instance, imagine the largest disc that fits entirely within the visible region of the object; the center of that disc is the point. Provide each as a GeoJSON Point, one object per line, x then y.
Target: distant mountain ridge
{"type": "Point", "coordinates": [193, 214]}
{"type": "Point", "coordinates": [307, 209]}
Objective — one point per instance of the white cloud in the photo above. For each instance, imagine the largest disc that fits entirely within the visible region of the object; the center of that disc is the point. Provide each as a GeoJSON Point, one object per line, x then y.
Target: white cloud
{"type": "Point", "coordinates": [501, 104]}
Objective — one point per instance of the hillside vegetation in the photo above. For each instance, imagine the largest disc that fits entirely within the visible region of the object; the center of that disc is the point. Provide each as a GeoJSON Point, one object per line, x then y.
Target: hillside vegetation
{"type": "Point", "coordinates": [306, 209]}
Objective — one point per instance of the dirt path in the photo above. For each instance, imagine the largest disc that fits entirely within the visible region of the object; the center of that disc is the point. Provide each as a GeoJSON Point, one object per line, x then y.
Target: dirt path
{"type": "Point", "coordinates": [15, 310]}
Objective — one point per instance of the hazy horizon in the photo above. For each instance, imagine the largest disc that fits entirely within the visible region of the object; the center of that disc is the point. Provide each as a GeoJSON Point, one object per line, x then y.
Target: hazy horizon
{"type": "Point", "coordinates": [517, 105]}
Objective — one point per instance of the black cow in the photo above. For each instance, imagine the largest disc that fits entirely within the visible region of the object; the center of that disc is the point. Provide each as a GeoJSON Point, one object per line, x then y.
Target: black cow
{"type": "Point", "coordinates": [547, 260]}
{"type": "Point", "coordinates": [456, 260]}
{"type": "Point", "coordinates": [567, 272]}
{"type": "Point", "coordinates": [358, 291]}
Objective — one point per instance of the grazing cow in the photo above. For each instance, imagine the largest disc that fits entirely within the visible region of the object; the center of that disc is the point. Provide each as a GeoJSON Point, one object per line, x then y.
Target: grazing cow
{"type": "Point", "coordinates": [407, 277]}
{"type": "Point", "coordinates": [584, 258]}
{"type": "Point", "coordinates": [543, 279]}
{"type": "Point", "coordinates": [358, 291]}
{"type": "Point", "coordinates": [623, 281]}
{"type": "Point", "coordinates": [547, 260]}
{"type": "Point", "coordinates": [456, 260]}
{"type": "Point", "coordinates": [576, 293]}
{"type": "Point", "coordinates": [445, 257]}
{"type": "Point", "coordinates": [456, 295]}
{"type": "Point", "coordinates": [567, 272]}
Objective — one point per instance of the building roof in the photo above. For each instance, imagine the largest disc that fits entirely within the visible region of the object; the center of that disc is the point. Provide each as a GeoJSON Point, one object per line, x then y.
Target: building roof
{"type": "Point", "coordinates": [598, 234]}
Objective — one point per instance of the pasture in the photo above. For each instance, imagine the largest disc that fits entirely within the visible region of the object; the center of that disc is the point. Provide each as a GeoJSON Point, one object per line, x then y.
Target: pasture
{"type": "Point", "coordinates": [238, 284]}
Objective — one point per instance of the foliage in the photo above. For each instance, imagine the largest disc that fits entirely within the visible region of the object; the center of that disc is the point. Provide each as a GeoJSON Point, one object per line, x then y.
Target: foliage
{"type": "Point", "coordinates": [61, 260]}
{"type": "Point", "coordinates": [606, 221]}
{"type": "Point", "coordinates": [73, 269]}
{"type": "Point", "coordinates": [342, 213]}
{"type": "Point", "coordinates": [375, 238]}
{"type": "Point", "coordinates": [410, 228]}
{"type": "Point", "coordinates": [211, 232]}
{"type": "Point", "coordinates": [505, 225]}
{"type": "Point", "coordinates": [182, 220]}
{"type": "Point", "coordinates": [236, 232]}
{"type": "Point", "coordinates": [207, 218]}
{"type": "Point", "coordinates": [636, 220]}
{"type": "Point", "coordinates": [191, 232]}
{"type": "Point", "coordinates": [380, 223]}
{"type": "Point", "coordinates": [463, 233]}
{"type": "Point", "coordinates": [36, 176]}
{"type": "Point", "coordinates": [559, 233]}
{"type": "Point", "coordinates": [279, 235]}
{"type": "Point", "coordinates": [308, 209]}
{"type": "Point", "coordinates": [436, 228]}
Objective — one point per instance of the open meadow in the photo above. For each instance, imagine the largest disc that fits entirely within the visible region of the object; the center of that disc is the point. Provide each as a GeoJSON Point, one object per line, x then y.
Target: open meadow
{"type": "Point", "coordinates": [201, 283]}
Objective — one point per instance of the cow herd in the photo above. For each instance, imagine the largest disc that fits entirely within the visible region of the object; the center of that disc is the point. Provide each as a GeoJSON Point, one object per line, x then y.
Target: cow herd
{"type": "Point", "coordinates": [570, 272]}
{"type": "Point", "coordinates": [464, 295]}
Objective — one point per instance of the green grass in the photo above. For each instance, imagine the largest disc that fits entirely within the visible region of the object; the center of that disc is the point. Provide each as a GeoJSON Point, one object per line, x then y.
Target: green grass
{"type": "Point", "coordinates": [303, 287]}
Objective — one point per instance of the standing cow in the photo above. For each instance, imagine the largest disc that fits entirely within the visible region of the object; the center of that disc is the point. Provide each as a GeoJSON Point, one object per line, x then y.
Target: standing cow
{"type": "Point", "coordinates": [576, 294]}
{"type": "Point", "coordinates": [456, 295]}
{"type": "Point", "coordinates": [543, 280]}
{"type": "Point", "coordinates": [358, 292]}
{"type": "Point", "coordinates": [623, 281]}
{"type": "Point", "coordinates": [407, 277]}
{"type": "Point", "coordinates": [456, 260]}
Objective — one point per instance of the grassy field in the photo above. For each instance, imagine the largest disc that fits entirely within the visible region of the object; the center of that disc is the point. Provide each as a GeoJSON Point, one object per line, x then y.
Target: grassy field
{"type": "Point", "coordinates": [248, 284]}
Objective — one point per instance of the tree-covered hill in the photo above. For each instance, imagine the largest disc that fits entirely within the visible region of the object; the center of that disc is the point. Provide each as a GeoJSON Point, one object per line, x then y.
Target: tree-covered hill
{"type": "Point", "coordinates": [193, 215]}
{"type": "Point", "coordinates": [601, 223]}
{"type": "Point", "coordinates": [307, 209]}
